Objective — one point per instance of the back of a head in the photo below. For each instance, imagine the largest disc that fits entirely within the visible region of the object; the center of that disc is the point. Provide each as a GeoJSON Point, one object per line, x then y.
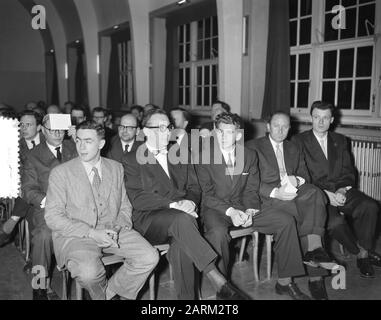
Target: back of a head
{"type": "Point", "coordinates": [223, 104]}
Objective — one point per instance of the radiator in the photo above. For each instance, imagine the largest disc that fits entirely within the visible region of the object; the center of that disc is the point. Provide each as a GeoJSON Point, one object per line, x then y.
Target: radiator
{"type": "Point", "coordinates": [367, 156]}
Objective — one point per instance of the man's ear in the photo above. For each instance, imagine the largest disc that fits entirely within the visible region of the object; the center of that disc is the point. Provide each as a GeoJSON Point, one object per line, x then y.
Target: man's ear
{"type": "Point", "coordinates": [102, 144]}
{"type": "Point", "coordinates": [332, 119]}
{"type": "Point", "coordinates": [137, 131]}
{"type": "Point", "coordinates": [186, 124]}
{"type": "Point", "coordinates": [145, 131]}
{"type": "Point", "coordinates": [268, 127]}
{"type": "Point", "coordinates": [38, 128]}
{"type": "Point", "coordinates": [238, 136]}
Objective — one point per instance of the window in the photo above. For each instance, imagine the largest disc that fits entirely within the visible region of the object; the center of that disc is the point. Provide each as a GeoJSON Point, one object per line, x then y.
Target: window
{"type": "Point", "coordinates": [125, 73]}
{"type": "Point", "coordinates": [333, 54]}
{"type": "Point", "coordinates": [198, 63]}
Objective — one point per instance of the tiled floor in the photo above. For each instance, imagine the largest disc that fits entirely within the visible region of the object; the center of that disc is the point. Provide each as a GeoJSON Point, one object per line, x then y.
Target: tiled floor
{"type": "Point", "coordinates": [15, 285]}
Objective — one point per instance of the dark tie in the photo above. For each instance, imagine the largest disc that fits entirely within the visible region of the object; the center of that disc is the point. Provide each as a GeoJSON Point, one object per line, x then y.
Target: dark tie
{"type": "Point", "coordinates": [96, 180]}
{"type": "Point", "coordinates": [280, 160]}
{"type": "Point", "coordinates": [59, 154]}
{"type": "Point", "coordinates": [33, 144]}
{"type": "Point", "coordinates": [126, 148]}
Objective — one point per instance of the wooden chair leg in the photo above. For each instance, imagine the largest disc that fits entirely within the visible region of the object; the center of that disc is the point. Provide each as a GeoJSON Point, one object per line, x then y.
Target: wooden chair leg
{"type": "Point", "coordinates": [21, 235]}
{"type": "Point", "coordinates": [255, 255]}
{"type": "Point", "coordinates": [242, 249]}
{"type": "Point", "coordinates": [78, 290]}
{"type": "Point", "coordinates": [152, 286]}
{"type": "Point", "coordinates": [170, 272]}
{"type": "Point", "coordinates": [27, 241]}
{"type": "Point", "coordinates": [65, 277]}
{"type": "Point", "coordinates": [269, 239]}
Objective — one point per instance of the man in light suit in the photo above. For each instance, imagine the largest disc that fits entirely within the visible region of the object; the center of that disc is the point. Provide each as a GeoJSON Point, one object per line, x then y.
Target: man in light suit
{"type": "Point", "coordinates": [280, 160]}
{"type": "Point", "coordinates": [329, 163]}
{"type": "Point", "coordinates": [89, 213]}
{"type": "Point", "coordinates": [125, 141]}
{"type": "Point", "coordinates": [165, 195]}
{"type": "Point", "coordinates": [34, 183]}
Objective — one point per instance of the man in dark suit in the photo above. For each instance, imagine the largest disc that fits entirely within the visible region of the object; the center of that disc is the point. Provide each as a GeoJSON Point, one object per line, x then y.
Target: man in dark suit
{"type": "Point", "coordinates": [329, 163]}
{"type": "Point", "coordinates": [99, 115]}
{"type": "Point", "coordinates": [125, 141]}
{"type": "Point", "coordinates": [164, 198]}
{"type": "Point", "coordinates": [34, 182]}
{"type": "Point", "coordinates": [285, 186]}
{"type": "Point", "coordinates": [30, 130]}
{"type": "Point", "coordinates": [230, 185]}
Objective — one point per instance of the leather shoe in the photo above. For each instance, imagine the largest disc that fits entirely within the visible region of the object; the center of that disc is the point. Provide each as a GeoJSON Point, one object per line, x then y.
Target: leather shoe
{"type": "Point", "coordinates": [366, 269]}
{"type": "Point", "coordinates": [319, 258]}
{"type": "Point", "coordinates": [318, 290]}
{"type": "Point", "coordinates": [374, 258]}
{"type": "Point", "coordinates": [292, 290]}
{"type": "Point", "coordinates": [40, 294]}
{"type": "Point", "coordinates": [228, 292]}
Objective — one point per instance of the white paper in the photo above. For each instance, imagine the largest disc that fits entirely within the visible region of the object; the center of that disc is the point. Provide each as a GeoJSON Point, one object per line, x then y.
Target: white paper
{"type": "Point", "coordinates": [289, 187]}
{"type": "Point", "coordinates": [60, 121]}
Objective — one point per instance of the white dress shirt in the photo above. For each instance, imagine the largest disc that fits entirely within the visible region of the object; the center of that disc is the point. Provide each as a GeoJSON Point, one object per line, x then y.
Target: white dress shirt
{"type": "Point", "coordinates": [129, 145]}
{"type": "Point", "coordinates": [323, 142]}
{"type": "Point", "coordinates": [89, 169]}
{"type": "Point", "coordinates": [53, 149]}
{"type": "Point", "coordinates": [162, 159]}
{"type": "Point", "coordinates": [36, 140]}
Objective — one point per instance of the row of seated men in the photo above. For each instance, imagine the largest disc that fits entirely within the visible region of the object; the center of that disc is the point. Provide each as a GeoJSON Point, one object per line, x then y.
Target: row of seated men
{"type": "Point", "coordinates": [84, 205]}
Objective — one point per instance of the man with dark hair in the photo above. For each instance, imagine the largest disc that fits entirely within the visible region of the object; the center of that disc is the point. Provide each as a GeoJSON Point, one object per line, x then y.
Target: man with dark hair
{"type": "Point", "coordinates": [218, 107]}
{"type": "Point", "coordinates": [138, 112]}
{"type": "Point", "coordinates": [329, 163]}
{"type": "Point", "coordinates": [89, 213]}
{"type": "Point", "coordinates": [99, 115]}
{"type": "Point", "coordinates": [68, 106]}
{"type": "Point", "coordinates": [34, 183]}
{"type": "Point", "coordinates": [164, 198]}
{"type": "Point", "coordinates": [125, 141]}
{"type": "Point", "coordinates": [53, 109]}
{"type": "Point", "coordinates": [230, 185]}
{"type": "Point", "coordinates": [285, 186]}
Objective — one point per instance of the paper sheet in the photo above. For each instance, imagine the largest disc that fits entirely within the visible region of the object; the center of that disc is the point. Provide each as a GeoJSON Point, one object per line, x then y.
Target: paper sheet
{"type": "Point", "coordinates": [60, 121]}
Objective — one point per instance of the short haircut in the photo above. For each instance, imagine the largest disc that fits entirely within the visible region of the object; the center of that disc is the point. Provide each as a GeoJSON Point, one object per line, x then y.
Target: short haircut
{"type": "Point", "coordinates": [322, 105]}
{"type": "Point", "coordinates": [92, 125]}
{"type": "Point", "coordinates": [100, 109]}
{"type": "Point", "coordinates": [79, 108]}
{"type": "Point", "coordinates": [229, 118]}
{"type": "Point", "coordinates": [279, 113]}
{"type": "Point", "coordinates": [139, 108]}
{"type": "Point", "coordinates": [223, 104]}
{"type": "Point", "coordinates": [45, 119]}
{"type": "Point", "coordinates": [32, 113]}
{"type": "Point", "coordinates": [150, 113]}
{"type": "Point", "coordinates": [186, 114]}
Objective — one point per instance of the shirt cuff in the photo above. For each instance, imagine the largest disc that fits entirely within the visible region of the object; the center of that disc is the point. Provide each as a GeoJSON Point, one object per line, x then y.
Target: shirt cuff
{"type": "Point", "coordinates": [301, 181]}
{"type": "Point", "coordinates": [272, 194]}
{"type": "Point", "coordinates": [42, 204]}
{"type": "Point", "coordinates": [228, 212]}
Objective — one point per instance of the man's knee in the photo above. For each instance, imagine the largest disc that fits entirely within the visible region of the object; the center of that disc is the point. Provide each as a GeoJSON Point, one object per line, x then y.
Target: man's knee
{"type": "Point", "coordinates": [87, 272]}
{"type": "Point", "coordinates": [218, 235]}
{"type": "Point", "coordinates": [335, 222]}
{"type": "Point", "coordinates": [150, 258]}
{"type": "Point", "coordinates": [185, 220]}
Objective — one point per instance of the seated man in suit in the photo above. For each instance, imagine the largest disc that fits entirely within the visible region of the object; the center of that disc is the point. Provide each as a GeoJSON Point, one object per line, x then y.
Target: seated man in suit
{"type": "Point", "coordinates": [34, 183]}
{"type": "Point", "coordinates": [285, 186]}
{"type": "Point", "coordinates": [164, 198]}
{"type": "Point", "coordinates": [126, 140]}
{"type": "Point", "coordinates": [31, 136]}
{"type": "Point", "coordinates": [138, 112]}
{"type": "Point", "coordinates": [329, 163]}
{"type": "Point", "coordinates": [89, 213]}
{"type": "Point", "coordinates": [230, 184]}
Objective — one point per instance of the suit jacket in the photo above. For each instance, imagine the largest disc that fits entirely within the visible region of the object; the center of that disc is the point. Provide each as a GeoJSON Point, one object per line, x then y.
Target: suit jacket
{"type": "Point", "coordinates": [116, 151]}
{"type": "Point", "coordinates": [109, 134]}
{"type": "Point", "coordinates": [268, 165]}
{"type": "Point", "coordinates": [220, 191]}
{"type": "Point", "coordinates": [71, 209]}
{"type": "Point", "coordinates": [149, 188]}
{"type": "Point", "coordinates": [334, 173]}
{"type": "Point", "coordinates": [38, 164]}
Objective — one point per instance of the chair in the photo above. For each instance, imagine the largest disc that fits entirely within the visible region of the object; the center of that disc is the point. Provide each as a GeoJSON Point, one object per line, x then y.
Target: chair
{"type": "Point", "coordinates": [250, 231]}
{"type": "Point", "coordinates": [24, 236]}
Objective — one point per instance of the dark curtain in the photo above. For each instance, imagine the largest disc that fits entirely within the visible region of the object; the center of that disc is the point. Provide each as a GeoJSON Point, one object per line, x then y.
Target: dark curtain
{"type": "Point", "coordinates": [51, 79]}
{"type": "Point", "coordinates": [114, 100]}
{"type": "Point", "coordinates": [80, 79]}
{"type": "Point", "coordinates": [277, 87]}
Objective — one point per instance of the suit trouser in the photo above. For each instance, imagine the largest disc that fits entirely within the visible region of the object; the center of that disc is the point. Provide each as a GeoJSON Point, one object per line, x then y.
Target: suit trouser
{"type": "Point", "coordinates": [309, 210]}
{"type": "Point", "coordinates": [83, 259]}
{"type": "Point", "coordinates": [362, 212]}
{"type": "Point", "coordinates": [268, 221]}
{"type": "Point", "coordinates": [187, 247]}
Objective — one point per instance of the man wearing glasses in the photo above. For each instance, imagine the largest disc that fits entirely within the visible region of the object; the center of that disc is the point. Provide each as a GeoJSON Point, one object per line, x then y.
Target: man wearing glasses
{"type": "Point", "coordinates": [164, 198]}
{"type": "Point", "coordinates": [34, 182]}
{"type": "Point", "coordinates": [125, 142]}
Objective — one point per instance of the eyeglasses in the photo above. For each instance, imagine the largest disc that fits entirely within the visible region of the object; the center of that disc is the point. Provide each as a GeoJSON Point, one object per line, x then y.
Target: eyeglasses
{"type": "Point", "coordinates": [121, 127]}
{"type": "Point", "coordinates": [163, 127]}
{"type": "Point", "coordinates": [25, 125]}
{"type": "Point", "coordinates": [54, 131]}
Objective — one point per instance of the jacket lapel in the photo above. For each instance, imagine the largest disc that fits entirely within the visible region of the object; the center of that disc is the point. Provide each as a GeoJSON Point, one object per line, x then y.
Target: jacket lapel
{"type": "Point", "coordinates": [316, 148]}
{"type": "Point", "coordinates": [105, 187]}
{"type": "Point", "coordinates": [270, 154]}
{"type": "Point", "coordinates": [332, 154]}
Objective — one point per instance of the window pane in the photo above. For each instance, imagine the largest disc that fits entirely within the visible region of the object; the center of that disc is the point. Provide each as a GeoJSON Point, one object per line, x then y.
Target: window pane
{"type": "Point", "coordinates": [181, 53]}
{"type": "Point", "coordinates": [348, 3]}
{"type": "Point", "coordinates": [200, 30]}
{"type": "Point", "coordinates": [181, 34]}
{"type": "Point", "coordinates": [207, 49]}
{"type": "Point", "coordinates": [329, 4]}
{"type": "Point", "coordinates": [362, 95]}
{"type": "Point", "coordinates": [304, 66]}
{"type": "Point", "coordinates": [207, 75]}
{"type": "Point", "coordinates": [306, 7]}
{"type": "Point", "coordinates": [215, 48]}
{"type": "Point", "coordinates": [293, 33]}
{"type": "Point", "coordinates": [345, 95]}
{"type": "Point", "coordinates": [330, 33]}
{"type": "Point", "coordinates": [188, 53]}
{"type": "Point", "coordinates": [364, 62]}
{"type": "Point", "coordinates": [199, 96]}
{"type": "Point", "coordinates": [293, 66]}
{"type": "Point", "coordinates": [365, 1]}
{"type": "Point", "coordinates": [215, 26]}
{"type": "Point", "coordinates": [330, 58]}
{"type": "Point", "coordinates": [305, 31]}
{"type": "Point", "coordinates": [187, 76]}
{"type": "Point", "coordinates": [328, 94]}
{"type": "Point", "coordinates": [303, 95]}
{"type": "Point", "coordinates": [181, 77]}
{"type": "Point", "coordinates": [214, 93]}
{"type": "Point", "coordinates": [214, 74]}
{"type": "Point", "coordinates": [181, 97]}
{"type": "Point", "coordinates": [346, 63]}
{"type": "Point", "coordinates": [187, 96]}
{"type": "Point", "coordinates": [207, 28]}
{"type": "Point", "coordinates": [366, 20]}
{"type": "Point", "coordinates": [200, 50]}
{"type": "Point", "coordinates": [206, 96]}
{"type": "Point", "coordinates": [350, 24]}
{"type": "Point", "coordinates": [187, 39]}
{"type": "Point", "coordinates": [293, 5]}
{"type": "Point", "coordinates": [199, 76]}
{"type": "Point", "coordinates": [292, 95]}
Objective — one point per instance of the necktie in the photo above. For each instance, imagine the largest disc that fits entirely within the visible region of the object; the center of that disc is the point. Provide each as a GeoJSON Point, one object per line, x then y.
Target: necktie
{"type": "Point", "coordinates": [33, 144]}
{"type": "Point", "coordinates": [126, 148]}
{"type": "Point", "coordinates": [96, 180]}
{"type": "Point", "coordinates": [280, 160]}
{"type": "Point", "coordinates": [230, 166]}
{"type": "Point", "coordinates": [59, 154]}
{"type": "Point", "coordinates": [322, 144]}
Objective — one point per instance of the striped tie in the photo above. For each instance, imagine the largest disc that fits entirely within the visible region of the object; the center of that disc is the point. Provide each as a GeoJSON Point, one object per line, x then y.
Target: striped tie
{"type": "Point", "coordinates": [96, 180]}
